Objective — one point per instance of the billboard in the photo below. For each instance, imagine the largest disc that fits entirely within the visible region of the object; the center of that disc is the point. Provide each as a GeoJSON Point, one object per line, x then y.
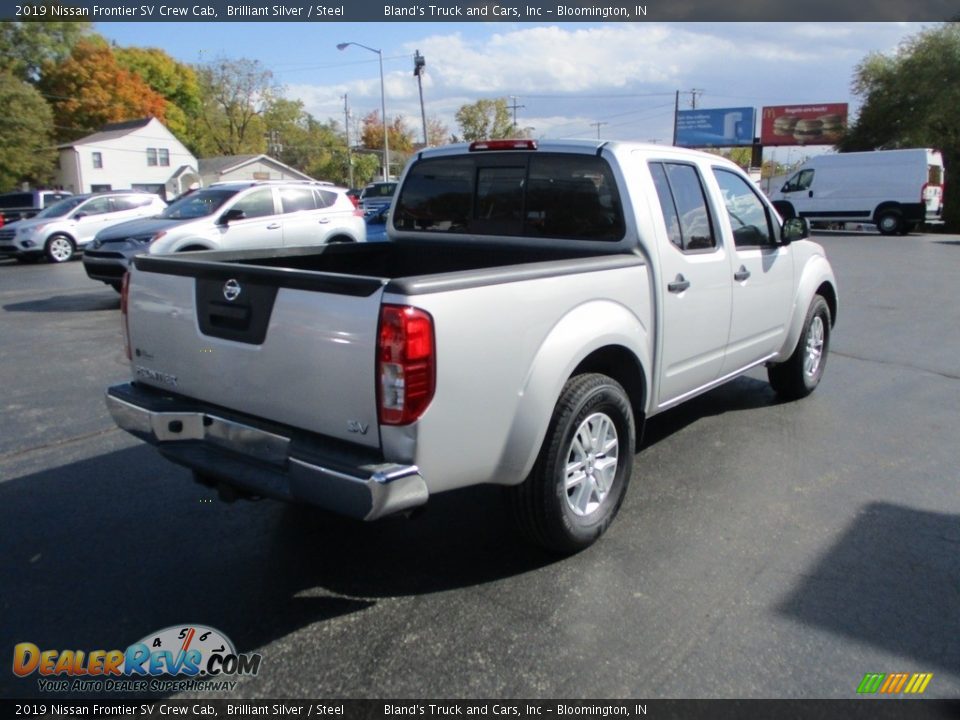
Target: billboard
{"type": "Point", "coordinates": [803, 124]}
{"type": "Point", "coordinates": [724, 127]}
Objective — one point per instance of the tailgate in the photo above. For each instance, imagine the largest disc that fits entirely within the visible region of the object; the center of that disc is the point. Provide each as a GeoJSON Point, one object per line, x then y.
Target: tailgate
{"type": "Point", "coordinates": [295, 347]}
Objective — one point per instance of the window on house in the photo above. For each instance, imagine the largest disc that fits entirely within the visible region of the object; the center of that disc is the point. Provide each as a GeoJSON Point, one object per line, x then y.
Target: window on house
{"type": "Point", "coordinates": [97, 160]}
{"type": "Point", "coordinates": [164, 157]}
{"type": "Point", "coordinates": [151, 157]}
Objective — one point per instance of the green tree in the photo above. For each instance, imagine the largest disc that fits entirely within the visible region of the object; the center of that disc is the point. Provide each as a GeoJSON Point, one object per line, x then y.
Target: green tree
{"type": "Point", "coordinates": [235, 93]}
{"type": "Point", "coordinates": [90, 88]}
{"type": "Point", "coordinates": [26, 134]}
{"type": "Point", "coordinates": [26, 48]}
{"type": "Point", "coordinates": [910, 99]}
{"type": "Point", "coordinates": [176, 82]}
{"type": "Point", "coordinates": [485, 120]}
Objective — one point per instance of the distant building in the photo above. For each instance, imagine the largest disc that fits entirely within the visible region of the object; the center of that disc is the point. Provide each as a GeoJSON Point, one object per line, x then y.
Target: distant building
{"type": "Point", "coordinates": [246, 167]}
{"type": "Point", "coordinates": [137, 154]}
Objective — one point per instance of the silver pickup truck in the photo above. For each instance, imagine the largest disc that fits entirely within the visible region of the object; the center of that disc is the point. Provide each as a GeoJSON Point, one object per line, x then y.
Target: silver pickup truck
{"type": "Point", "coordinates": [536, 304]}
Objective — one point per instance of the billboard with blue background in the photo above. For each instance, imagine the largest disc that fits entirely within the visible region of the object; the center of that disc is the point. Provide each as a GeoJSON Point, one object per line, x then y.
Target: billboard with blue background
{"type": "Point", "coordinates": [723, 127]}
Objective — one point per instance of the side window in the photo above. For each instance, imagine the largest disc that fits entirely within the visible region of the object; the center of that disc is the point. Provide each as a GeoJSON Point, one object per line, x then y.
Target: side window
{"type": "Point", "coordinates": [129, 202]}
{"type": "Point", "coordinates": [325, 198]}
{"type": "Point", "coordinates": [97, 206]}
{"type": "Point", "coordinates": [684, 206]}
{"type": "Point", "coordinates": [748, 215]}
{"type": "Point", "coordinates": [258, 203]}
{"type": "Point", "coordinates": [800, 181]}
{"type": "Point", "coordinates": [297, 199]}
{"type": "Point", "coordinates": [667, 206]}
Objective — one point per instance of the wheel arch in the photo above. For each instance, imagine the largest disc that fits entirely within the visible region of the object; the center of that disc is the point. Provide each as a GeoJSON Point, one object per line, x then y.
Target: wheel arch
{"type": "Point", "coordinates": [816, 278]}
{"type": "Point", "coordinates": [617, 345]}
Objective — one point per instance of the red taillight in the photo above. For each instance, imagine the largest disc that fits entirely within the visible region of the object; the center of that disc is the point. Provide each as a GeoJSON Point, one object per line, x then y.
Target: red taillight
{"type": "Point", "coordinates": [406, 364]}
{"type": "Point", "coordinates": [358, 212]}
{"type": "Point", "coordinates": [503, 145]}
{"type": "Point", "coordinates": [124, 322]}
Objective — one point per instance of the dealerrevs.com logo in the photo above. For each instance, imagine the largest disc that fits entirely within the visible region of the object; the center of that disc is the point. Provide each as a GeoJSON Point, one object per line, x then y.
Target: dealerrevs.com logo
{"type": "Point", "coordinates": [175, 659]}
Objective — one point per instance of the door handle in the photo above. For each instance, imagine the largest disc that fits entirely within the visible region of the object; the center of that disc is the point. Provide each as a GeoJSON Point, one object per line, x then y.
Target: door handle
{"type": "Point", "coordinates": [273, 226]}
{"type": "Point", "coordinates": [810, 193]}
{"type": "Point", "coordinates": [741, 274]}
{"type": "Point", "coordinates": [323, 221]}
{"type": "Point", "coordinates": [679, 284]}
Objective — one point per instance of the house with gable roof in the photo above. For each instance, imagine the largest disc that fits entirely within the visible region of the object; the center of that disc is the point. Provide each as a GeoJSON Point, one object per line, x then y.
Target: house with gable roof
{"type": "Point", "coordinates": [133, 155]}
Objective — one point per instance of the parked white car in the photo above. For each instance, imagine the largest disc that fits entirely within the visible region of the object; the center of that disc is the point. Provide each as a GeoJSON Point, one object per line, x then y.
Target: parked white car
{"type": "Point", "coordinates": [62, 229]}
{"type": "Point", "coordinates": [231, 216]}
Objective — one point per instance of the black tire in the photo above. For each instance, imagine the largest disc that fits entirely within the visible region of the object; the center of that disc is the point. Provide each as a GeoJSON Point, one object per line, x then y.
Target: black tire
{"type": "Point", "coordinates": [889, 222]}
{"type": "Point", "coordinates": [59, 248]}
{"type": "Point", "coordinates": [793, 379]}
{"type": "Point", "coordinates": [566, 520]}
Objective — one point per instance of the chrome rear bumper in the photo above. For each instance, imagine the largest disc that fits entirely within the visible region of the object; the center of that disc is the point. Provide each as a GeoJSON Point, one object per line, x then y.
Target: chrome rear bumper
{"type": "Point", "coordinates": [266, 462]}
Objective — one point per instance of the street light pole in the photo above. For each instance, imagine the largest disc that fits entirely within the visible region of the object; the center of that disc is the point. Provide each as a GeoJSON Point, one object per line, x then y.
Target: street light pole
{"type": "Point", "coordinates": [419, 63]}
{"type": "Point", "coordinates": [383, 106]}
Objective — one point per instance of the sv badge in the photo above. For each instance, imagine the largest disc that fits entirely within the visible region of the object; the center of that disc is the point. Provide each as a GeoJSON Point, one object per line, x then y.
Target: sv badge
{"type": "Point", "coordinates": [355, 426]}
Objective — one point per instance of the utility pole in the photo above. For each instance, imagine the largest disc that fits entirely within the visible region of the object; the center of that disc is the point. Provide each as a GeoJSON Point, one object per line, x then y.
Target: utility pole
{"type": "Point", "coordinates": [598, 125]}
{"type": "Point", "coordinates": [515, 107]}
{"type": "Point", "coordinates": [419, 64]}
{"type": "Point", "coordinates": [346, 125]}
{"type": "Point", "coordinates": [693, 97]}
{"type": "Point", "coordinates": [676, 115]}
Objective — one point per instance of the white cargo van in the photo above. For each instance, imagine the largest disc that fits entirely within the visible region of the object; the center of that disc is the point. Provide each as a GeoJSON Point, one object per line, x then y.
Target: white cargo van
{"type": "Point", "coordinates": [894, 189]}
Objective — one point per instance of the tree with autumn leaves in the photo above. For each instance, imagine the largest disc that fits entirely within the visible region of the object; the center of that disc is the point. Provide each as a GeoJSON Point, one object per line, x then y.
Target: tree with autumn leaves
{"type": "Point", "coordinates": [90, 89]}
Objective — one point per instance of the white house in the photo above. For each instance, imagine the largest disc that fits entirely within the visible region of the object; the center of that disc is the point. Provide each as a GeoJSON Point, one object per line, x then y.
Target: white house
{"type": "Point", "coordinates": [137, 154]}
{"type": "Point", "coordinates": [247, 167]}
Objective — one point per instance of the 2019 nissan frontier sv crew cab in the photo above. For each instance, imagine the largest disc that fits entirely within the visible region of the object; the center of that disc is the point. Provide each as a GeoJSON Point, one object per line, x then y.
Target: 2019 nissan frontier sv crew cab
{"type": "Point", "coordinates": [538, 303]}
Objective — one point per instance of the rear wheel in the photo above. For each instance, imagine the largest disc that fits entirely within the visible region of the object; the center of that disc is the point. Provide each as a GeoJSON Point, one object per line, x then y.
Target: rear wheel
{"type": "Point", "coordinates": [800, 374]}
{"type": "Point", "coordinates": [59, 248]}
{"type": "Point", "coordinates": [580, 478]}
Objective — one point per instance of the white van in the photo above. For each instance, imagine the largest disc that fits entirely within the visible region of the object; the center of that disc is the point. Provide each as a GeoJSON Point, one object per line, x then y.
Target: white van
{"type": "Point", "coordinates": [894, 189]}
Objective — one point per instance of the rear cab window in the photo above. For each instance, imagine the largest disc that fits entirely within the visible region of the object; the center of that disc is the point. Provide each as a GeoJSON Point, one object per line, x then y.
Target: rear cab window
{"type": "Point", "coordinates": [555, 195]}
{"type": "Point", "coordinates": [687, 217]}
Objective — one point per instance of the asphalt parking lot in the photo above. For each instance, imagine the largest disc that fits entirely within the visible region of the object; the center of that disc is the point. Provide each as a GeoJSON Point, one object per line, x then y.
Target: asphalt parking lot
{"type": "Point", "coordinates": [765, 549]}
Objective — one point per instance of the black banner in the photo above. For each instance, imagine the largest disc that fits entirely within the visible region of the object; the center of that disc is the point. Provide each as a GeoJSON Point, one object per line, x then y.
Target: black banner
{"type": "Point", "coordinates": [525, 709]}
{"type": "Point", "coordinates": [552, 11]}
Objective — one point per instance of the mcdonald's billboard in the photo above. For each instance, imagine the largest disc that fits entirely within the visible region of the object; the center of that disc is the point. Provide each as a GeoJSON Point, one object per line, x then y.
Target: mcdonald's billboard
{"type": "Point", "coordinates": [803, 124]}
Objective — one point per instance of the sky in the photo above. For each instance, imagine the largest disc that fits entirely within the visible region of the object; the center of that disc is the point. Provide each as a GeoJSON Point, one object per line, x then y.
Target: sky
{"type": "Point", "coordinates": [566, 77]}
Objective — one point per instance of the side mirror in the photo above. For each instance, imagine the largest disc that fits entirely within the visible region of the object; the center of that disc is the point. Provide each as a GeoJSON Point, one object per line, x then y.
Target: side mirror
{"type": "Point", "coordinates": [796, 228]}
{"type": "Point", "coordinates": [232, 215]}
{"type": "Point", "coordinates": [79, 216]}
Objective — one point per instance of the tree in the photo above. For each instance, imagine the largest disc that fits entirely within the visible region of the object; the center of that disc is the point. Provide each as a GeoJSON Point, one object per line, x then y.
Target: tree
{"type": "Point", "coordinates": [401, 138]}
{"type": "Point", "coordinates": [27, 47]}
{"type": "Point", "coordinates": [90, 88]}
{"type": "Point", "coordinates": [26, 134]}
{"type": "Point", "coordinates": [176, 82]}
{"type": "Point", "coordinates": [909, 100]}
{"type": "Point", "coordinates": [437, 132]}
{"type": "Point", "coordinates": [485, 120]}
{"type": "Point", "coordinates": [235, 95]}
{"type": "Point", "coordinates": [303, 142]}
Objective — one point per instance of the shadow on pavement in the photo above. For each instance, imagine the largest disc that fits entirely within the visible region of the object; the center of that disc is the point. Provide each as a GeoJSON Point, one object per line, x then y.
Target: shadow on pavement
{"type": "Point", "coordinates": [67, 303]}
{"type": "Point", "coordinates": [893, 573]}
{"type": "Point", "coordinates": [101, 552]}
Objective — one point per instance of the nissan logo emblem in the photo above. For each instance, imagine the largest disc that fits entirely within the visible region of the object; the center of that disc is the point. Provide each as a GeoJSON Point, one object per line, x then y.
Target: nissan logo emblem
{"type": "Point", "coordinates": [231, 290]}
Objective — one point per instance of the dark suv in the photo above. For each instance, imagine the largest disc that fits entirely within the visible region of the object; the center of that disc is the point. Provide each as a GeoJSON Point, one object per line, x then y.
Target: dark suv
{"type": "Point", "coordinates": [27, 203]}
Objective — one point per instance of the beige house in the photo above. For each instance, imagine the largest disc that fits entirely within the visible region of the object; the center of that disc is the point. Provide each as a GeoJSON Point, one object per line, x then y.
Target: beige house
{"type": "Point", "coordinates": [137, 154]}
{"type": "Point", "coordinates": [246, 167]}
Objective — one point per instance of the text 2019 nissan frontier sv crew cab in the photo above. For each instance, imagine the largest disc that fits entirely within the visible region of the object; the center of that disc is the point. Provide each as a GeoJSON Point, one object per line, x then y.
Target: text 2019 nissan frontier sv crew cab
{"type": "Point", "coordinates": [538, 301]}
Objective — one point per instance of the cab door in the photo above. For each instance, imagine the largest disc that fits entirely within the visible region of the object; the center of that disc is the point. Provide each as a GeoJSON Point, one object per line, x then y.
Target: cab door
{"type": "Point", "coordinates": [695, 279]}
{"type": "Point", "coordinates": [762, 273]}
{"type": "Point", "coordinates": [259, 225]}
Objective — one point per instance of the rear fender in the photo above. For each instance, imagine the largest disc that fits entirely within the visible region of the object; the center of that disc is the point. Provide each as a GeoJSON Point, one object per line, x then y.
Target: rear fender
{"type": "Point", "coordinates": [584, 330]}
